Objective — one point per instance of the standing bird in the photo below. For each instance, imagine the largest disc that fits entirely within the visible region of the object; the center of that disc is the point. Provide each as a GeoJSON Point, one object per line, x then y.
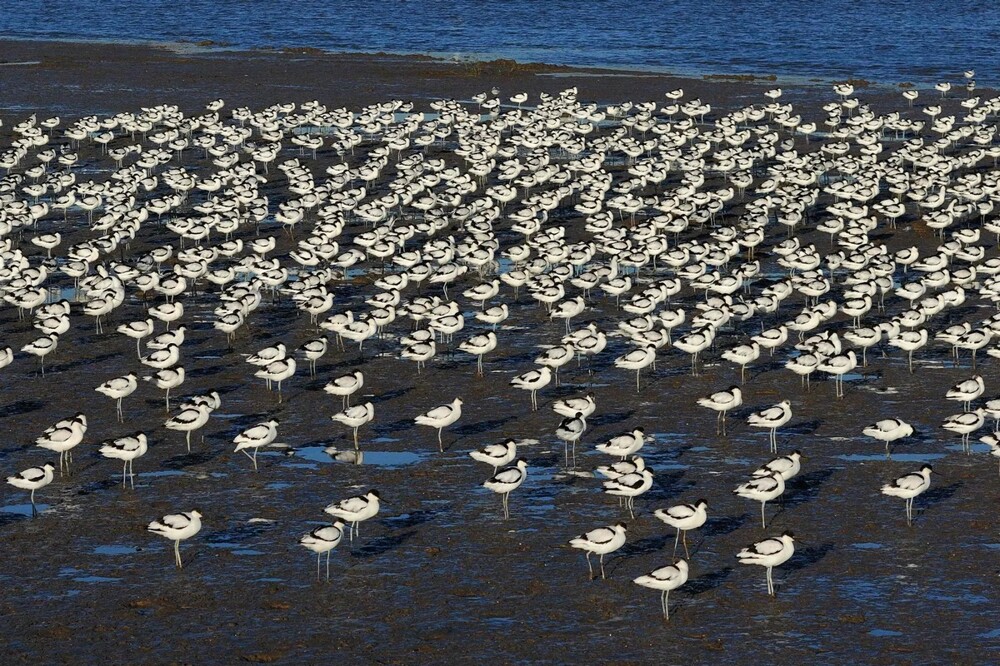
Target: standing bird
{"type": "Point", "coordinates": [786, 466]}
{"type": "Point", "coordinates": [908, 487]}
{"type": "Point", "coordinates": [118, 388]}
{"type": "Point", "coordinates": [630, 486]}
{"type": "Point", "coordinates": [126, 449]}
{"type": "Point", "coordinates": [256, 437]}
{"type": "Point", "coordinates": [32, 479]}
{"type": "Point", "coordinates": [441, 417]}
{"type": "Point", "coordinates": [167, 378]}
{"type": "Point", "coordinates": [190, 418]}
{"type": "Point", "coordinates": [63, 437]}
{"type": "Point", "coordinates": [532, 380]}
{"type": "Point", "coordinates": [769, 553]}
{"type": "Point", "coordinates": [722, 402]}
{"type": "Point", "coordinates": [684, 517]}
{"type": "Point", "coordinates": [177, 527]}
{"type": "Point", "coordinates": [569, 431]}
{"type": "Point", "coordinates": [323, 540]}
{"type": "Point", "coordinates": [637, 359]}
{"type": "Point", "coordinates": [354, 510]}
{"type": "Point", "coordinates": [665, 579]}
{"type": "Point", "coordinates": [355, 417]}
{"type": "Point", "coordinates": [345, 386]}
{"type": "Point", "coordinates": [763, 489]}
{"type": "Point", "coordinates": [497, 455]}
{"type": "Point", "coordinates": [506, 481]}
{"type": "Point", "coordinates": [601, 541]}
{"type": "Point", "coordinates": [772, 418]}
{"type": "Point", "coordinates": [888, 431]}
{"type": "Point", "coordinates": [966, 391]}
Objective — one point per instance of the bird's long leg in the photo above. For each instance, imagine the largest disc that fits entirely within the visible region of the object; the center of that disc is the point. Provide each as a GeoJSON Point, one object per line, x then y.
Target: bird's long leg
{"type": "Point", "coordinates": [34, 511]}
{"type": "Point", "coordinates": [590, 567]}
{"type": "Point", "coordinates": [177, 554]}
{"type": "Point", "coordinates": [317, 566]}
{"type": "Point", "coordinates": [440, 443]}
{"type": "Point", "coordinates": [131, 473]}
{"type": "Point", "coordinates": [666, 604]}
{"type": "Point", "coordinates": [255, 458]}
{"type": "Point", "coordinates": [763, 522]}
{"type": "Point", "coordinates": [602, 567]}
{"type": "Point", "coordinates": [124, 468]}
{"type": "Point", "coordinates": [686, 553]}
{"type": "Point", "coordinates": [188, 440]}
{"type": "Point", "coordinates": [677, 540]}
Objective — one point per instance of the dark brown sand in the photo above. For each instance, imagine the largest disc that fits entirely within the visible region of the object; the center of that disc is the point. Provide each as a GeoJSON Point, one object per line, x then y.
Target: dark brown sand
{"type": "Point", "coordinates": [438, 577]}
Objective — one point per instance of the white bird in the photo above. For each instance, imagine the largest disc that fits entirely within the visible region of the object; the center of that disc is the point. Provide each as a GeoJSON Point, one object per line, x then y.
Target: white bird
{"type": "Point", "coordinates": [345, 386]}
{"type": "Point", "coordinates": [532, 380]}
{"type": "Point", "coordinates": [277, 371]}
{"type": "Point", "coordinates": [684, 517]}
{"type": "Point", "coordinates": [769, 553]}
{"type": "Point", "coordinates": [888, 431]}
{"type": "Point", "coordinates": [441, 417]}
{"type": "Point", "coordinates": [785, 466]}
{"type": "Point", "coordinates": [571, 406]}
{"type": "Point", "coordinates": [355, 510]}
{"type": "Point", "coordinates": [743, 355]}
{"type": "Point", "coordinates": [177, 527]}
{"type": "Point", "coordinates": [772, 418]}
{"type": "Point", "coordinates": [630, 486]}
{"type": "Point", "coordinates": [569, 431]}
{"type": "Point", "coordinates": [190, 418]}
{"type": "Point", "coordinates": [167, 378]}
{"type": "Point", "coordinates": [763, 489]}
{"type": "Point", "coordinates": [965, 424]}
{"type": "Point", "coordinates": [42, 347]}
{"type": "Point", "coordinates": [625, 444]}
{"type": "Point", "coordinates": [722, 402]}
{"type": "Point", "coordinates": [637, 359]}
{"type": "Point", "coordinates": [126, 449]}
{"type": "Point", "coordinates": [255, 437]}
{"type": "Point", "coordinates": [355, 417]}
{"type": "Point", "coordinates": [497, 455]}
{"type": "Point", "coordinates": [479, 345]}
{"type": "Point", "coordinates": [838, 366]}
{"type": "Point", "coordinates": [118, 388]}
{"type": "Point", "coordinates": [966, 391]}
{"type": "Point", "coordinates": [160, 359]}
{"type": "Point", "coordinates": [602, 541]}
{"type": "Point", "coordinates": [665, 579]}
{"type": "Point", "coordinates": [63, 437]}
{"type": "Point", "coordinates": [32, 479]}
{"type": "Point", "coordinates": [908, 487]}
{"type": "Point", "coordinates": [323, 540]}
{"type": "Point", "coordinates": [506, 481]}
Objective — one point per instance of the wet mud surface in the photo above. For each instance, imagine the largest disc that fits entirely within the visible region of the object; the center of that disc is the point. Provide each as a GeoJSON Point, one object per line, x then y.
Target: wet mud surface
{"type": "Point", "coordinates": [438, 576]}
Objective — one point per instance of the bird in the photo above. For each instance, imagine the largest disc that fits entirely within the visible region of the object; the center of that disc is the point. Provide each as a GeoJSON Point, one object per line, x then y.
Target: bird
{"type": "Point", "coordinates": [32, 479]}
{"type": "Point", "coordinates": [277, 371]}
{"type": "Point", "coordinates": [497, 455]}
{"type": "Point", "coordinates": [177, 527]}
{"type": "Point", "coordinates": [966, 391]}
{"type": "Point", "coordinates": [569, 431]}
{"type": "Point", "coordinates": [684, 517]}
{"type": "Point", "coordinates": [345, 386]}
{"type": "Point", "coordinates": [625, 444]}
{"type": "Point", "coordinates": [769, 553]}
{"type": "Point", "coordinates": [785, 466]}
{"type": "Point", "coordinates": [167, 378]}
{"type": "Point", "coordinates": [479, 345]}
{"type": "Point", "coordinates": [571, 406]}
{"type": "Point", "coordinates": [255, 437]}
{"type": "Point", "coordinates": [763, 489]}
{"type": "Point", "coordinates": [323, 540]}
{"type": "Point", "coordinates": [722, 402]}
{"type": "Point", "coordinates": [838, 366]}
{"type": "Point", "coordinates": [772, 418]}
{"type": "Point", "coordinates": [665, 579]}
{"type": "Point", "coordinates": [190, 418]}
{"type": "Point", "coordinates": [965, 424]}
{"type": "Point", "coordinates": [601, 541]}
{"type": "Point", "coordinates": [637, 359]}
{"type": "Point", "coordinates": [532, 380]}
{"type": "Point", "coordinates": [42, 347]}
{"type": "Point", "coordinates": [356, 509]}
{"type": "Point", "coordinates": [908, 487]}
{"type": "Point", "coordinates": [126, 449]}
{"type": "Point", "coordinates": [355, 417]}
{"type": "Point", "coordinates": [441, 417]}
{"type": "Point", "coordinates": [888, 431]}
{"type": "Point", "coordinates": [630, 486]}
{"type": "Point", "coordinates": [63, 437]}
{"type": "Point", "coordinates": [506, 481]}
{"type": "Point", "coordinates": [118, 388]}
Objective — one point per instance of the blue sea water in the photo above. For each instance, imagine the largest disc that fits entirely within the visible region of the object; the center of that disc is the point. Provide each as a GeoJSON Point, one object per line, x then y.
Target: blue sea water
{"type": "Point", "coordinates": [888, 41]}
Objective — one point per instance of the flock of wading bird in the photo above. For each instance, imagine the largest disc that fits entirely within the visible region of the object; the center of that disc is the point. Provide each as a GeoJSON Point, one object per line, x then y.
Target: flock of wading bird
{"type": "Point", "coordinates": [666, 225]}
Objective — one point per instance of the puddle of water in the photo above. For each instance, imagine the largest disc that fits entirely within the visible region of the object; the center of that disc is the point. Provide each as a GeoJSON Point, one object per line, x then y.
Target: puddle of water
{"type": "Point", "coordinates": [377, 458]}
{"type": "Point", "coordinates": [898, 457]}
{"type": "Point", "coordinates": [115, 550]}
{"type": "Point", "coordinates": [164, 472]}
{"type": "Point", "coordinates": [867, 546]}
{"type": "Point", "coordinates": [247, 551]}
{"type": "Point", "coordinates": [884, 633]}
{"type": "Point", "coordinates": [278, 485]}
{"type": "Point", "coordinates": [23, 509]}
{"type": "Point", "coordinates": [975, 447]}
{"type": "Point", "coordinates": [991, 634]}
{"type": "Point", "coordinates": [96, 579]}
